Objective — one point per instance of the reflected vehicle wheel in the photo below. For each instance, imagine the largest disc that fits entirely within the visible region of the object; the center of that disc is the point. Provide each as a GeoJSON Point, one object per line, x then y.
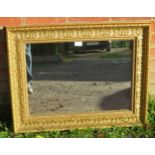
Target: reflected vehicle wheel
{"type": "Point", "coordinates": [108, 49]}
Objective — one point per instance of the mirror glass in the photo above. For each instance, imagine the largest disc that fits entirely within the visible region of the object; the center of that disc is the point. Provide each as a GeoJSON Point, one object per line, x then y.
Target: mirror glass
{"type": "Point", "coordinates": [80, 76]}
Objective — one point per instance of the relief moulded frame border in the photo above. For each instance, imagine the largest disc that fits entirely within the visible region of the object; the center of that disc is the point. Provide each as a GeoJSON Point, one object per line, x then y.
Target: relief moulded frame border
{"type": "Point", "coordinates": [18, 37]}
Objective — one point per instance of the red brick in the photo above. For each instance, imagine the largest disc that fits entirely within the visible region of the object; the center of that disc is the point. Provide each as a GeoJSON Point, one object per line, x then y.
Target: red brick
{"type": "Point", "coordinates": [130, 18]}
{"type": "Point", "coordinates": [152, 89]}
{"type": "Point", "coordinates": [152, 53]}
{"type": "Point", "coordinates": [153, 26]}
{"type": "Point", "coordinates": [152, 76]}
{"type": "Point", "coordinates": [44, 20]}
{"type": "Point", "coordinates": [152, 64]}
{"type": "Point", "coordinates": [10, 21]}
{"type": "Point", "coordinates": [153, 39]}
{"type": "Point", "coordinates": [87, 19]}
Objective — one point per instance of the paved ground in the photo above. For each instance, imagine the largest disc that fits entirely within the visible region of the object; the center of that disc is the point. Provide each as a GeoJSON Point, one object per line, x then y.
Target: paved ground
{"type": "Point", "coordinates": [84, 84]}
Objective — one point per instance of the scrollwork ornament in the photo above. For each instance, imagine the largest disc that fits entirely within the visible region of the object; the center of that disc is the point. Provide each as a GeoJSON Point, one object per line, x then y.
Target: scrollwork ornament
{"type": "Point", "coordinates": [17, 37]}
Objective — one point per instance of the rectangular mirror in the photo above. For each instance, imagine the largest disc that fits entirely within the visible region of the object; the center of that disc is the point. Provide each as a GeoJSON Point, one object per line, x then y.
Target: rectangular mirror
{"type": "Point", "coordinates": [76, 76]}
{"type": "Point", "coordinates": [73, 77]}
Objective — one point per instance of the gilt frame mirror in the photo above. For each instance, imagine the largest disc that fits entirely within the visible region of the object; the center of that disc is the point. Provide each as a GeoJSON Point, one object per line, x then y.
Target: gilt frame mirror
{"type": "Point", "coordinates": [19, 37]}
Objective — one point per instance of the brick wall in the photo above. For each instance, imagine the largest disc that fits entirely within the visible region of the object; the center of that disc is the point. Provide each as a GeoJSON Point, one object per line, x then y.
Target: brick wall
{"type": "Point", "coordinates": [152, 59]}
{"type": "Point", "coordinates": [20, 21]}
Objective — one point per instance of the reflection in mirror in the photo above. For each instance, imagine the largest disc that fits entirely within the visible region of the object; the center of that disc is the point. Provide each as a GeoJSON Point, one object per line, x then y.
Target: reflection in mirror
{"type": "Point", "coordinates": [82, 76]}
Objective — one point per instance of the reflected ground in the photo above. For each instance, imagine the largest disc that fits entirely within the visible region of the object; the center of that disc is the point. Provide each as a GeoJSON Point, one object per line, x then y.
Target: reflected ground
{"type": "Point", "coordinates": [87, 81]}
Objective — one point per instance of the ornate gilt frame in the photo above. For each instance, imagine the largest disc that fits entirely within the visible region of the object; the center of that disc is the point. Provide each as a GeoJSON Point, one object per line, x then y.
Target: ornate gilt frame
{"type": "Point", "coordinates": [17, 37]}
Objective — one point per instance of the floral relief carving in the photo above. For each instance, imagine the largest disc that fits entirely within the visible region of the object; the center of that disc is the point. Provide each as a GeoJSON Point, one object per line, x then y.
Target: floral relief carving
{"type": "Point", "coordinates": [19, 36]}
{"type": "Point", "coordinates": [79, 33]}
